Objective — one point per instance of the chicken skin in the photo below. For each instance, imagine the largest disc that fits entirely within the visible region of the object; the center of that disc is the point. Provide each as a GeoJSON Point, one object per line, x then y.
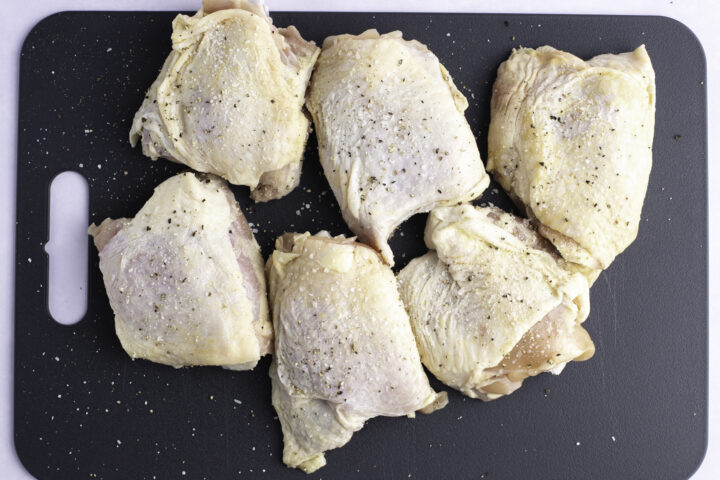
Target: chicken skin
{"type": "Point", "coordinates": [571, 142]}
{"type": "Point", "coordinates": [344, 349]}
{"type": "Point", "coordinates": [185, 277]}
{"type": "Point", "coordinates": [229, 98]}
{"type": "Point", "coordinates": [492, 303]}
{"type": "Point", "coordinates": [392, 134]}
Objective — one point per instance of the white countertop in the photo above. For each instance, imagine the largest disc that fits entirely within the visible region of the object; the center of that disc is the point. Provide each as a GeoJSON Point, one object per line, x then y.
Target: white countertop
{"type": "Point", "coordinates": [699, 15]}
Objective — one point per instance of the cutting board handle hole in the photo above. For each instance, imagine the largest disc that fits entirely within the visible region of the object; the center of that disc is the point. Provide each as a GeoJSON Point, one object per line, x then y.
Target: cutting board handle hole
{"type": "Point", "coordinates": [67, 248]}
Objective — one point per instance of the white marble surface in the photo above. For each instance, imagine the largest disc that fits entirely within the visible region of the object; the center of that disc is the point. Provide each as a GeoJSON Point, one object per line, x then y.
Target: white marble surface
{"type": "Point", "coordinates": [700, 15]}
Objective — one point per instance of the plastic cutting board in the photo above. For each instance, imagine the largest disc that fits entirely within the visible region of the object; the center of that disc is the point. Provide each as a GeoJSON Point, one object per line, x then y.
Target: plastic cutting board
{"type": "Point", "coordinates": [84, 409]}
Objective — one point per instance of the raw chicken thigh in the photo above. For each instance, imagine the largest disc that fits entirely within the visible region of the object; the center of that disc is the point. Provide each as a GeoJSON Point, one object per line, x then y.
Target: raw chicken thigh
{"type": "Point", "coordinates": [571, 141]}
{"type": "Point", "coordinates": [344, 349]}
{"type": "Point", "coordinates": [185, 277]}
{"type": "Point", "coordinates": [392, 134]}
{"type": "Point", "coordinates": [229, 98]}
{"type": "Point", "coordinates": [492, 304]}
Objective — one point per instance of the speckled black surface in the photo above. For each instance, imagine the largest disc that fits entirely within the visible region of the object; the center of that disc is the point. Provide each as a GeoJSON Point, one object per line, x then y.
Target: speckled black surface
{"type": "Point", "coordinates": [83, 409]}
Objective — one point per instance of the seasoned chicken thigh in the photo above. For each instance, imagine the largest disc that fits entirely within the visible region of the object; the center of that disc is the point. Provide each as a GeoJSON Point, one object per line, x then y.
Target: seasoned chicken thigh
{"type": "Point", "coordinates": [185, 277]}
{"type": "Point", "coordinates": [392, 134]}
{"type": "Point", "coordinates": [571, 141]}
{"type": "Point", "coordinates": [492, 304]}
{"type": "Point", "coordinates": [229, 98]}
{"type": "Point", "coordinates": [344, 349]}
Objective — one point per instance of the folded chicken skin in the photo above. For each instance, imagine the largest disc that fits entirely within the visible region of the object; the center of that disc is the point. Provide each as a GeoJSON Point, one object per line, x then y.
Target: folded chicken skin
{"type": "Point", "coordinates": [571, 142]}
{"type": "Point", "coordinates": [185, 277]}
{"type": "Point", "coordinates": [344, 349]}
{"type": "Point", "coordinates": [229, 98]}
{"type": "Point", "coordinates": [392, 134]}
{"type": "Point", "coordinates": [492, 303]}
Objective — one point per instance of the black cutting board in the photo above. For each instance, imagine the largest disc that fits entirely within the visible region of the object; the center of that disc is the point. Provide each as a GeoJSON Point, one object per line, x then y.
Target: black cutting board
{"type": "Point", "coordinates": [637, 409]}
